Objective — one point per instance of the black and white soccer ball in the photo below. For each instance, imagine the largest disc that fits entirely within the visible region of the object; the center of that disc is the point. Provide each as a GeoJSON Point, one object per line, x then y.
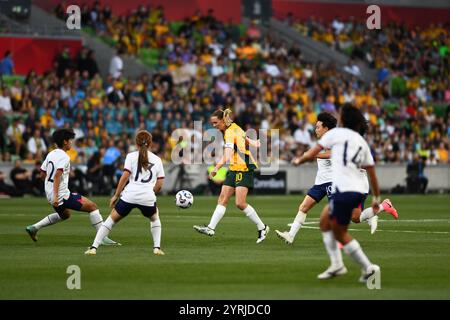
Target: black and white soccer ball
{"type": "Point", "coordinates": [184, 199]}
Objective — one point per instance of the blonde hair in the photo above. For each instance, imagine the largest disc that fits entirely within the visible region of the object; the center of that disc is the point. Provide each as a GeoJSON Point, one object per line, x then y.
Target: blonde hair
{"type": "Point", "coordinates": [224, 115]}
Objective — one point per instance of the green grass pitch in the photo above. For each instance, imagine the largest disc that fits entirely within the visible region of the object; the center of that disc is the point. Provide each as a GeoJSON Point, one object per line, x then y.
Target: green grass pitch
{"type": "Point", "coordinates": [414, 254]}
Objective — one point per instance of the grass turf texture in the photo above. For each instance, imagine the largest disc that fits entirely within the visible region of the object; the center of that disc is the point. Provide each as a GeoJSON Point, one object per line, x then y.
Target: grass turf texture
{"type": "Point", "coordinates": [230, 265]}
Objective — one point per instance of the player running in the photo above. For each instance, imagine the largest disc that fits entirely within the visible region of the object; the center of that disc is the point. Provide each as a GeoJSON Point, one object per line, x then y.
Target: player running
{"type": "Point", "coordinates": [55, 169]}
{"type": "Point", "coordinates": [349, 153]}
{"type": "Point", "coordinates": [144, 173]}
{"type": "Point", "coordinates": [322, 187]}
{"type": "Point", "coordinates": [239, 177]}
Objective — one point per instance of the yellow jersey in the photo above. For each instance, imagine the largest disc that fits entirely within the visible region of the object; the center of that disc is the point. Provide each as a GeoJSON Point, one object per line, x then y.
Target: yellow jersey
{"type": "Point", "coordinates": [242, 159]}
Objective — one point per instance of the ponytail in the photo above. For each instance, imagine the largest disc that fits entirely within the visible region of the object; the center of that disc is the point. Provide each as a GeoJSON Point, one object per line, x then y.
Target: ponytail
{"type": "Point", "coordinates": [143, 141]}
{"type": "Point", "coordinates": [224, 115]}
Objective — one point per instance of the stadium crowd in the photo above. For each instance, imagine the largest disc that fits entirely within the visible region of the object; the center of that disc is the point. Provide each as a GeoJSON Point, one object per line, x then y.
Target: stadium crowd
{"type": "Point", "coordinates": [204, 64]}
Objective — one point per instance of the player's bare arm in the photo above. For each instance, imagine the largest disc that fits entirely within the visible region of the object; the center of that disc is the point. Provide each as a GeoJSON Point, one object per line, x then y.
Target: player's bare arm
{"type": "Point", "coordinates": [56, 182]}
{"type": "Point", "coordinates": [310, 155]}
{"type": "Point", "coordinates": [122, 182]}
{"type": "Point", "coordinates": [227, 155]}
{"type": "Point", "coordinates": [375, 187]}
{"type": "Point", "coordinates": [158, 186]}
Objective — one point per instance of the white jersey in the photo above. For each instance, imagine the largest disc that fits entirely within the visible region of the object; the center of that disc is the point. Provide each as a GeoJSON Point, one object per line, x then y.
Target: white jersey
{"type": "Point", "coordinates": [139, 189]}
{"type": "Point", "coordinates": [57, 160]}
{"type": "Point", "coordinates": [349, 153]}
{"type": "Point", "coordinates": [324, 171]}
{"type": "Point", "coordinates": [366, 180]}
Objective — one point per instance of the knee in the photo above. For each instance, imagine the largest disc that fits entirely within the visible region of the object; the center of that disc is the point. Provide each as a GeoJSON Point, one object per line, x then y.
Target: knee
{"type": "Point", "coordinates": [324, 224]}
{"type": "Point", "coordinates": [241, 204]}
{"type": "Point", "coordinates": [303, 208]}
{"type": "Point", "coordinates": [92, 206]}
{"type": "Point", "coordinates": [64, 215]}
{"type": "Point", "coordinates": [223, 200]}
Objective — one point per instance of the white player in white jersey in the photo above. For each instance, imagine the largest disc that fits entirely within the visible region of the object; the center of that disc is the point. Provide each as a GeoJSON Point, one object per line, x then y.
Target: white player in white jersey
{"type": "Point", "coordinates": [55, 169]}
{"type": "Point", "coordinates": [144, 173]}
{"type": "Point", "coordinates": [349, 153]}
{"type": "Point", "coordinates": [322, 184]}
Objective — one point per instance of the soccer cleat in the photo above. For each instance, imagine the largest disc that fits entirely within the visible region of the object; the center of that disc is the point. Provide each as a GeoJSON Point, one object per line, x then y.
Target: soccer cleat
{"type": "Point", "coordinates": [108, 242]}
{"type": "Point", "coordinates": [262, 234]}
{"type": "Point", "coordinates": [285, 236]}
{"type": "Point", "coordinates": [32, 231]}
{"type": "Point", "coordinates": [366, 274]}
{"type": "Point", "coordinates": [332, 272]}
{"type": "Point", "coordinates": [92, 251]}
{"type": "Point", "coordinates": [158, 252]}
{"type": "Point", "coordinates": [205, 230]}
{"type": "Point", "coordinates": [389, 208]}
{"type": "Point", "coordinates": [373, 223]}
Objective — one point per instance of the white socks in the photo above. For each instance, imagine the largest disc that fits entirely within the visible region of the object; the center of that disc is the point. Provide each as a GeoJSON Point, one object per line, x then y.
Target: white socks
{"type": "Point", "coordinates": [103, 231]}
{"type": "Point", "coordinates": [217, 216]}
{"type": "Point", "coordinates": [155, 229]}
{"type": "Point", "coordinates": [332, 249]}
{"type": "Point", "coordinates": [252, 215]}
{"type": "Point", "coordinates": [367, 214]}
{"type": "Point", "coordinates": [353, 249]}
{"type": "Point", "coordinates": [48, 220]}
{"type": "Point", "coordinates": [96, 219]}
{"type": "Point", "coordinates": [297, 224]}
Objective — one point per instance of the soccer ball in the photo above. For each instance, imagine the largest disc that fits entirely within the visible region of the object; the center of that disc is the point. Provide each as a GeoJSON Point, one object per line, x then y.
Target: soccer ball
{"type": "Point", "coordinates": [184, 199]}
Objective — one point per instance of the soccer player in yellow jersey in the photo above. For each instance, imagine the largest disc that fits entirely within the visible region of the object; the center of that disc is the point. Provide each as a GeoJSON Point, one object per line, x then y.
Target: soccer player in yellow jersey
{"type": "Point", "coordinates": [239, 178]}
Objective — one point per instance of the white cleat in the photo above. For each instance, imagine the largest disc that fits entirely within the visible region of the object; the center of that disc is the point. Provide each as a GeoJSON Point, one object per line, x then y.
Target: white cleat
{"type": "Point", "coordinates": [91, 251]}
{"type": "Point", "coordinates": [371, 270]}
{"type": "Point", "coordinates": [158, 252]}
{"type": "Point", "coordinates": [204, 230]}
{"type": "Point", "coordinates": [262, 234]}
{"type": "Point", "coordinates": [332, 272]}
{"type": "Point", "coordinates": [373, 223]}
{"type": "Point", "coordinates": [285, 236]}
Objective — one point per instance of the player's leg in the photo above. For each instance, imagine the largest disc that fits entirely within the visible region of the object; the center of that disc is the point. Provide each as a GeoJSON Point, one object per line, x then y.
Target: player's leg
{"type": "Point", "coordinates": [342, 209]}
{"type": "Point", "coordinates": [337, 266]}
{"type": "Point", "coordinates": [288, 236]}
{"type": "Point", "coordinates": [225, 194]}
{"type": "Point", "coordinates": [250, 212]}
{"type": "Point", "coordinates": [61, 214]}
{"type": "Point", "coordinates": [155, 230]}
{"type": "Point", "coordinates": [106, 228]}
{"type": "Point", "coordinates": [83, 204]}
{"type": "Point", "coordinates": [371, 216]}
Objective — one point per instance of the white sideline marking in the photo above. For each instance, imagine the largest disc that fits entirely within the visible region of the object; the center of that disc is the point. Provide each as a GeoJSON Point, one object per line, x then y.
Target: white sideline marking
{"type": "Point", "coordinates": [394, 231]}
{"type": "Point", "coordinates": [396, 221]}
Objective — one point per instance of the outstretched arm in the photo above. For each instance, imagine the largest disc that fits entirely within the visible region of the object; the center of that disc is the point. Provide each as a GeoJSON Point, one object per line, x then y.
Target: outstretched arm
{"type": "Point", "coordinates": [252, 143]}
{"type": "Point", "coordinates": [309, 155]}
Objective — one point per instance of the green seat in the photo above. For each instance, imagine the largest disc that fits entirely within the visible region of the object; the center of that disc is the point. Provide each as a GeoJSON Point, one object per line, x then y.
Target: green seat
{"type": "Point", "coordinates": [440, 110]}
{"type": "Point", "coordinates": [176, 26]}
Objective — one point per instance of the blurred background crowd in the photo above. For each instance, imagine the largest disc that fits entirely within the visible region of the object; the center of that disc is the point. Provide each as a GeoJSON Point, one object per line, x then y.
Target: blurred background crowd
{"type": "Point", "coordinates": [201, 64]}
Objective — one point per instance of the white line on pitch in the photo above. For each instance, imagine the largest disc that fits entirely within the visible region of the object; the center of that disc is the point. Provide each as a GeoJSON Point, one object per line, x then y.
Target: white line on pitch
{"type": "Point", "coordinates": [394, 231]}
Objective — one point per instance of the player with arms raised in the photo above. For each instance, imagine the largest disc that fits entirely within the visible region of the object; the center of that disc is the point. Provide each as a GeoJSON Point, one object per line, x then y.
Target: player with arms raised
{"type": "Point", "coordinates": [144, 173]}
{"type": "Point", "coordinates": [55, 169]}
{"type": "Point", "coordinates": [239, 177]}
